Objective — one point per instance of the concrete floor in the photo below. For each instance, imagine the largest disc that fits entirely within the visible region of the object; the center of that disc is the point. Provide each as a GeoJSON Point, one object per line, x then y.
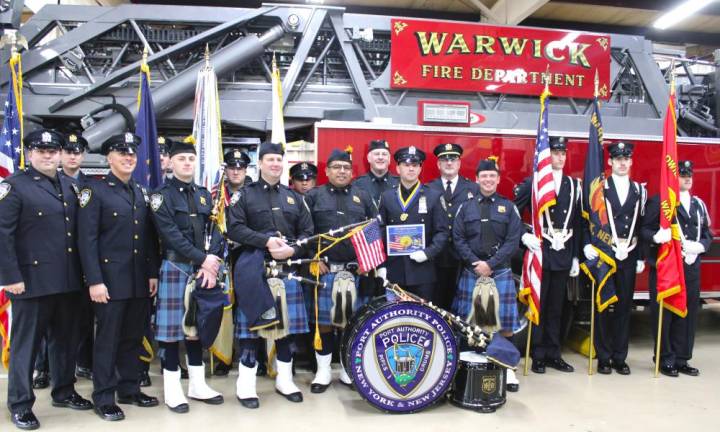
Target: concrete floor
{"type": "Point", "coordinates": [551, 402]}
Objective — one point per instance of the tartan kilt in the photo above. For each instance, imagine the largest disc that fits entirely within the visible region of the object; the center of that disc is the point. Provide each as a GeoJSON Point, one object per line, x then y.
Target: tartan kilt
{"type": "Point", "coordinates": [296, 313]}
{"type": "Point", "coordinates": [325, 300]}
{"type": "Point", "coordinates": [171, 301]}
{"type": "Point", "coordinates": [509, 316]}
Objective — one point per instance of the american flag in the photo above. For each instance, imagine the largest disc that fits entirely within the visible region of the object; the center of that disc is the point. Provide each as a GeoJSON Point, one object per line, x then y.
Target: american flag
{"type": "Point", "coordinates": [368, 246]}
{"type": "Point", "coordinates": [543, 196]}
{"type": "Point", "coordinates": [10, 149]}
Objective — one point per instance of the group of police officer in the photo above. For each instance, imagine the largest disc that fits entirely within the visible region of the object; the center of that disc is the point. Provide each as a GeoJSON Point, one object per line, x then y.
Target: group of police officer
{"type": "Point", "coordinates": [112, 240]}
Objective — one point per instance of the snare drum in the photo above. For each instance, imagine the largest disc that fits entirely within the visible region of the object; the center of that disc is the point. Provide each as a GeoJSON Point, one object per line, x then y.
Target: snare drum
{"type": "Point", "coordinates": [401, 356]}
{"type": "Point", "coordinates": [479, 385]}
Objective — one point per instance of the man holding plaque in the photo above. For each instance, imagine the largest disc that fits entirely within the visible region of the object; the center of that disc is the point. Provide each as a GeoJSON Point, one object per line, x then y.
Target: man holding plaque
{"type": "Point", "coordinates": [415, 224]}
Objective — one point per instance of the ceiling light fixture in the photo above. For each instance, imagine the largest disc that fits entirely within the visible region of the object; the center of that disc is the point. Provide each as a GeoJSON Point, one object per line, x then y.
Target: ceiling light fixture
{"type": "Point", "coordinates": [680, 13]}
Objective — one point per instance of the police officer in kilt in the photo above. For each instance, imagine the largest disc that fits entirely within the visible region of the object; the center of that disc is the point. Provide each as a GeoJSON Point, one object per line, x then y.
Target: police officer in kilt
{"type": "Point", "coordinates": [455, 190]}
{"type": "Point", "coordinates": [333, 205]}
{"type": "Point", "coordinates": [40, 272]}
{"type": "Point", "coordinates": [560, 248]}
{"type": "Point", "coordinates": [378, 179]}
{"type": "Point", "coordinates": [119, 254]}
{"type": "Point", "coordinates": [486, 233]}
{"type": "Point", "coordinates": [303, 177]}
{"type": "Point", "coordinates": [625, 202]}
{"type": "Point", "coordinates": [413, 203]}
{"type": "Point", "coordinates": [693, 219]}
{"type": "Point", "coordinates": [181, 211]}
{"type": "Point", "coordinates": [265, 219]}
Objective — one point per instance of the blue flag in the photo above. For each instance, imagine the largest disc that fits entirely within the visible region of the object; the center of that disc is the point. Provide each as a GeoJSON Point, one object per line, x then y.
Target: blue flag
{"type": "Point", "coordinates": [147, 172]}
{"type": "Point", "coordinates": [595, 213]}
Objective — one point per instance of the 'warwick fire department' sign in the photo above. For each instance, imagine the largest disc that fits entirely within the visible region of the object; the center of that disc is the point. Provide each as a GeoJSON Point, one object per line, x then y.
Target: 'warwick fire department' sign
{"type": "Point", "coordinates": [441, 55]}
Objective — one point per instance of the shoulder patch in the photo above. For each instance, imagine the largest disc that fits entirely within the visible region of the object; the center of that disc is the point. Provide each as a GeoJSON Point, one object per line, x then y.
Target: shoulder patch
{"type": "Point", "coordinates": [84, 197]}
{"type": "Point", "coordinates": [4, 190]}
{"type": "Point", "coordinates": [156, 201]}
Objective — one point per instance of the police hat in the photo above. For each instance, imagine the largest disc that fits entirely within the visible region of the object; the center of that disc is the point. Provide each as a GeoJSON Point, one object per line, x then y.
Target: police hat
{"type": "Point", "coordinates": [185, 146]}
{"type": "Point", "coordinates": [270, 148]}
{"type": "Point", "coordinates": [558, 143]}
{"type": "Point", "coordinates": [164, 145]}
{"type": "Point", "coordinates": [340, 155]}
{"type": "Point", "coordinates": [236, 158]}
{"type": "Point", "coordinates": [124, 143]}
{"type": "Point", "coordinates": [75, 143]}
{"type": "Point", "coordinates": [44, 138]}
{"type": "Point", "coordinates": [378, 145]}
{"type": "Point", "coordinates": [685, 168]}
{"type": "Point", "coordinates": [409, 155]}
{"type": "Point", "coordinates": [449, 150]}
{"type": "Point", "coordinates": [489, 164]}
{"type": "Point", "coordinates": [303, 171]}
{"type": "Point", "coordinates": [621, 149]}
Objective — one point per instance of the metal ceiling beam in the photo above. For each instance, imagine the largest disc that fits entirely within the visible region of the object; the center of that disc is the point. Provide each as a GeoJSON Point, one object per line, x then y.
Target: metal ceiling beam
{"type": "Point", "coordinates": [515, 11]}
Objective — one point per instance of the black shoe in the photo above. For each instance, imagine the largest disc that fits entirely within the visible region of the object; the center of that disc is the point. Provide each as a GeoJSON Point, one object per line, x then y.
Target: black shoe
{"type": "Point", "coordinates": [183, 373]}
{"type": "Point", "coordinates": [144, 379]}
{"type": "Point", "coordinates": [688, 370]}
{"type": "Point", "coordinates": [252, 403]}
{"type": "Point", "coordinates": [621, 367]}
{"type": "Point", "coordinates": [83, 372]}
{"type": "Point", "coordinates": [74, 401]}
{"type": "Point", "coordinates": [110, 412]}
{"type": "Point", "coordinates": [140, 400]}
{"type": "Point", "coordinates": [25, 419]}
{"type": "Point", "coordinates": [318, 388]}
{"type": "Point", "coordinates": [604, 367]}
{"type": "Point", "coordinates": [292, 397]}
{"type": "Point", "coordinates": [262, 369]}
{"type": "Point", "coordinates": [221, 369]}
{"type": "Point", "coordinates": [217, 400]}
{"type": "Point", "coordinates": [41, 380]}
{"type": "Point", "coordinates": [180, 409]}
{"type": "Point", "coordinates": [560, 364]}
{"type": "Point", "coordinates": [668, 370]}
{"type": "Point", "coordinates": [512, 387]}
{"type": "Point", "coordinates": [538, 366]}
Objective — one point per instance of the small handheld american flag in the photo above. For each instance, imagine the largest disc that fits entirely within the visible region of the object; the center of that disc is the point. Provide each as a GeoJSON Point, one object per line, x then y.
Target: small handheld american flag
{"type": "Point", "coordinates": [369, 246]}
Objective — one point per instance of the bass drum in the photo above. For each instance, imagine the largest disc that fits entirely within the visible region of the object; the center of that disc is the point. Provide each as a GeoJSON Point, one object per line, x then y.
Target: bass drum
{"type": "Point", "coordinates": [401, 356]}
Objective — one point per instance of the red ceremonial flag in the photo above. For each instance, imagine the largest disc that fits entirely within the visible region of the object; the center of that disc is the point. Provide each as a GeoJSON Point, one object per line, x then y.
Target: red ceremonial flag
{"type": "Point", "coordinates": [4, 328]}
{"type": "Point", "coordinates": [368, 247]}
{"type": "Point", "coordinates": [670, 275]}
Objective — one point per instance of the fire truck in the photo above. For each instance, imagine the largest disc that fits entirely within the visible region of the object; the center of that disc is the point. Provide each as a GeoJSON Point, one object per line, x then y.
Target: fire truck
{"type": "Point", "coordinates": [348, 78]}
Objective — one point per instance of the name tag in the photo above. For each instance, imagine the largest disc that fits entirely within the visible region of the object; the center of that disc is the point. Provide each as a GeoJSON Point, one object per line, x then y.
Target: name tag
{"type": "Point", "coordinates": [422, 205]}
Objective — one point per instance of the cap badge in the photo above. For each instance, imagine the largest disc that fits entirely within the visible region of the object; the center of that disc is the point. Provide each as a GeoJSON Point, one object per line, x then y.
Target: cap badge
{"type": "Point", "coordinates": [129, 139]}
{"type": "Point", "coordinates": [46, 137]}
{"type": "Point", "coordinates": [73, 138]}
{"type": "Point", "coordinates": [448, 146]}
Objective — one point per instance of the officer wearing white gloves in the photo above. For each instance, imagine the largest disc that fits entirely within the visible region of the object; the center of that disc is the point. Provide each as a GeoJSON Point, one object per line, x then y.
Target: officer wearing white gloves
{"type": "Point", "coordinates": [678, 334]}
{"type": "Point", "coordinates": [560, 248]}
{"type": "Point", "coordinates": [625, 202]}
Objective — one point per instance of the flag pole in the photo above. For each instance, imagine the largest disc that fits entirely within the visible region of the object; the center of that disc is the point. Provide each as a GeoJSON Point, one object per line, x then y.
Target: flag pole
{"type": "Point", "coordinates": [527, 347]}
{"type": "Point", "coordinates": [591, 350]}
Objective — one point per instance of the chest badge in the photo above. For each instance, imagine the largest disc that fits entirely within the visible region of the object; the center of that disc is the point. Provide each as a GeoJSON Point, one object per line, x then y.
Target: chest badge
{"type": "Point", "coordinates": [291, 200]}
{"type": "Point", "coordinates": [501, 209]}
{"type": "Point", "coordinates": [356, 199]}
{"type": "Point", "coordinates": [4, 190]}
{"type": "Point", "coordinates": [84, 197]}
{"type": "Point", "coordinates": [156, 201]}
{"type": "Point", "coordinates": [203, 201]}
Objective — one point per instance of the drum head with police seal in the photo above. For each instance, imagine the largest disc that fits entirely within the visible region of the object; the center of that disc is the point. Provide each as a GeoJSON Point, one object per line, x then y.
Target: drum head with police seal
{"type": "Point", "coordinates": [403, 357]}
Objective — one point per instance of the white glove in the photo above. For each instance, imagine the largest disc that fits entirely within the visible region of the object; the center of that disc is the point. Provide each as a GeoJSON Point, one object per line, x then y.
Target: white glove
{"type": "Point", "coordinates": [663, 235]}
{"type": "Point", "coordinates": [575, 269]}
{"type": "Point", "coordinates": [381, 273]}
{"type": "Point", "coordinates": [639, 267]}
{"type": "Point", "coordinates": [418, 257]}
{"type": "Point", "coordinates": [531, 242]}
{"type": "Point", "coordinates": [693, 247]}
{"type": "Point", "coordinates": [590, 252]}
{"type": "Point", "coordinates": [690, 258]}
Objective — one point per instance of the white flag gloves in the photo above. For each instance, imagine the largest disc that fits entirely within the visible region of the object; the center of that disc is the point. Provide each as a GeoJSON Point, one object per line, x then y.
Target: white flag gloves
{"type": "Point", "coordinates": [418, 257]}
{"type": "Point", "coordinates": [590, 252]}
{"type": "Point", "coordinates": [690, 258]}
{"type": "Point", "coordinates": [693, 247]}
{"type": "Point", "coordinates": [531, 242]}
{"type": "Point", "coordinates": [575, 269]}
{"type": "Point", "coordinates": [639, 267]}
{"type": "Point", "coordinates": [663, 235]}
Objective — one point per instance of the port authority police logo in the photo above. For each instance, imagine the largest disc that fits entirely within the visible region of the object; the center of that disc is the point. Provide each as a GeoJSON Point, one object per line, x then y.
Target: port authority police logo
{"type": "Point", "coordinates": [403, 357]}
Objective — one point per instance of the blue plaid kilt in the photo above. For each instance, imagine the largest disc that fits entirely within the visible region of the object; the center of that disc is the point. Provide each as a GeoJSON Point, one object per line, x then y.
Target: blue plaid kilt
{"type": "Point", "coordinates": [171, 301]}
{"type": "Point", "coordinates": [509, 317]}
{"type": "Point", "coordinates": [325, 299]}
{"type": "Point", "coordinates": [296, 313]}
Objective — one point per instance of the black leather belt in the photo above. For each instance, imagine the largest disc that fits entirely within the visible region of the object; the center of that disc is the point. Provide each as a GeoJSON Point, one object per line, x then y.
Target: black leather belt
{"type": "Point", "coordinates": [175, 257]}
